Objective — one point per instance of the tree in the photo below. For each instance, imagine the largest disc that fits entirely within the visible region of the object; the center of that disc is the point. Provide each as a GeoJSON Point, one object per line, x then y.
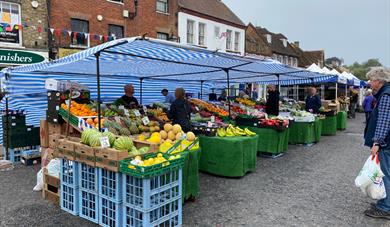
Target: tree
{"type": "Point", "coordinates": [360, 70]}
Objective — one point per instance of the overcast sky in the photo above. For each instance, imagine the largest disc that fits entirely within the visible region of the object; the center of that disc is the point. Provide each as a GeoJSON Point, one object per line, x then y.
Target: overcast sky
{"type": "Point", "coordinates": [354, 30]}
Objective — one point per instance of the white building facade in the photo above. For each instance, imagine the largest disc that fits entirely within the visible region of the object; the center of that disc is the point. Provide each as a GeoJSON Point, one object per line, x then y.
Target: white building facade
{"type": "Point", "coordinates": [210, 34]}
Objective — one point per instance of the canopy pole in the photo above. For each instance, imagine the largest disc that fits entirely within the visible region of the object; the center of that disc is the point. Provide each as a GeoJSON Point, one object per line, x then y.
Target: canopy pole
{"type": "Point", "coordinates": [336, 91]}
{"type": "Point", "coordinates": [7, 128]}
{"type": "Point", "coordinates": [346, 90]}
{"type": "Point", "coordinates": [228, 85]}
{"type": "Point", "coordinates": [140, 89]}
{"type": "Point", "coordinates": [97, 55]}
{"type": "Point", "coordinates": [279, 87]}
{"type": "Point", "coordinates": [201, 89]}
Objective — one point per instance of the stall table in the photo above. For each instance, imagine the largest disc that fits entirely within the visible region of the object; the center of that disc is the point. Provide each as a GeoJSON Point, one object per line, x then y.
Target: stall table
{"type": "Point", "coordinates": [342, 120]}
{"type": "Point", "coordinates": [329, 126]}
{"type": "Point", "coordinates": [191, 175]}
{"type": "Point", "coordinates": [271, 141]}
{"type": "Point", "coordinates": [302, 133]}
{"type": "Point", "coordinates": [317, 130]}
{"type": "Point", "coordinates": [228, 156]}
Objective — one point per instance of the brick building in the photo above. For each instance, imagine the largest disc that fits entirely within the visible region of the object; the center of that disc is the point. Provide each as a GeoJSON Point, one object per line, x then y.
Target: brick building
{"type": "Point", "coordinates": [23, 32]}
{"type": "Point", "coordinates": [77, 25]}
{"type": "Point", "coordinates": [306, 58]}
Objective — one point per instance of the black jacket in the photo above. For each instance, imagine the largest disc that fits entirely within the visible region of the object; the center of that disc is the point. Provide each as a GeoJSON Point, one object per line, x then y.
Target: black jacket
{"type": "Point", "coordinates": [272, 106]}
{"type": "Point", "coordinates": [314, 103]}
{"type": "Point", "coordinates": [180, 113]}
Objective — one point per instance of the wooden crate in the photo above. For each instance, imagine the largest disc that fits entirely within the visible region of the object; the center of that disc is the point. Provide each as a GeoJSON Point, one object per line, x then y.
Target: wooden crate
{"type": "Point", "coordinates": [51, 188]}
{"type": "Point", "coordinates": [65, 149]}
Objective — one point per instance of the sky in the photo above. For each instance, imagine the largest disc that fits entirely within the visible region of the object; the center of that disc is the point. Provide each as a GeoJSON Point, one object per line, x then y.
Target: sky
{"type": "Point", "coordinates": [355, 30]}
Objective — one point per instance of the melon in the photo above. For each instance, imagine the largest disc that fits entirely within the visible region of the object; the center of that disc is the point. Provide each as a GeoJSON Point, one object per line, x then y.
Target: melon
{"type": "Point", "coordinates": [168, 141]}
{"type": "Point", "coordinates": [176, 128]}
{"type": "Point", "coordinates": [190, 136]}
{"type": "Point", "coordinates": [179, 135]}
{"type": "Point", "coordinates": [163, 134]}
{"type": "Point", "coordinates": [123, 143]}
{"type": "Point", "coordinates": [94, 140]}
{"type": "Point", "coordinates": [87, 134]}
{"type": "Point", "coordinates": [167, 127]}
{"type": "Point", "coordinates": [111, 137]}
{"type": "Point", "coordinates": [171, 135]}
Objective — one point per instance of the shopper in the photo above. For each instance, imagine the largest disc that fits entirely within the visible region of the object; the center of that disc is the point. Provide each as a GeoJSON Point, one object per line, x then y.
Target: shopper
{"type": "Point", "coordinates": [223, 96]}
{"type": "Point", "coordinates": [313, 101]}
{"type": "Point", "coordinates": [272, 105]}
{"type": "Point", "coordinates": [180, 111]}
{"type": "Point", "coordinates": [368, 103]}
{"type": "Point", "coordinates": [128, 100]}
{"type": "Point", "coordinates": [353, 100]}
{"type": "Point", "coordinates": [377, 135]}
{"type": "Point", "coordinates": [169, 98]}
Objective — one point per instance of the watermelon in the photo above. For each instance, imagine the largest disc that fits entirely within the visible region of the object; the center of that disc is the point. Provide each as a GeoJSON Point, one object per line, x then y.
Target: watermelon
{"type": "Point", "coordinates": [134, 151]}
{"type": "Point", "coordinates": [143, 150]}
{"type": "Point", "coordinates": [123, 143]}
{"type": "Point", "coordinates": [111, 137]}
{"type": "Point", "coordinates": [87, 134]}
{"type": "Point", "coordinates": [94, 140]}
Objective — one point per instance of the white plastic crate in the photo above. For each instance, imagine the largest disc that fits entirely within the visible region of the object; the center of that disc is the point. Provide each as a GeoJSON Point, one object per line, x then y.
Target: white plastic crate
{"type": "Point", "coordinates": [110, 185]}
{"type": "Point", "coordinates": [88, 177]}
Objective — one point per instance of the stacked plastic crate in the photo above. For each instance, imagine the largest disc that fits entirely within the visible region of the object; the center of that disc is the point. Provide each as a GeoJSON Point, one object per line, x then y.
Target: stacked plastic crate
{"type": "Point", "coordinates": [88, 192]}
{"type": "Point", "coordinates": [69, 200]}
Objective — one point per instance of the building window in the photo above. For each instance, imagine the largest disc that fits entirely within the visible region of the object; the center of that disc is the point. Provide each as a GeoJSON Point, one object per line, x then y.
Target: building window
{"type": "Point", "coordinates": [162, 6]}
{"type": "Point", "coordinates": [280, 58]}
{"type": "Point", "coordinates": [10, 19]}
{"type": "Point", "coordinates": [286, 60]}
{"type": "Point", "coordinates": [217, 32]}
{"type": "Point", "coordinates": [295, 62]}
{"type": "Point", "coordinates": [269, 38]}
{"type": "Point", "coordinates": [116, 1]}
{"type": "Point", "coordinates": [163, 36]}
{"type": "Point", "coordinates": [190, 32]}
{"type": "Point", "coordinates": [202, 34]}
{"type": "Point", "coordinates": [274, 57]}
{"type": "Point", "coordinates": [115, 31]}
{"type": "Point", "coordinates": [237, 41]}
{"type": "Point", "coordinates": [79, 30]}
{"type": "Point", "coordinates": [228, 40]}
{"type": "Point", "coordinates": [284, 42]}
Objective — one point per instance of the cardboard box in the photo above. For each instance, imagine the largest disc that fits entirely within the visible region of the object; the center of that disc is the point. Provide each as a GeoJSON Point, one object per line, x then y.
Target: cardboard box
{"type": "Point", "coordinates": [44, 133]}
{"type": "Point", "coordinates": [89, 160]}
{"type": "Point", "coordinates": [53, 140]}
{"type": "Point", "coordinates": [83, 149]}
{"type": "Point", "coordinates": [51, 197]}
{"type": "Point", "coordinates": [54, 128]}
{"type": "Point", "coordinates": [107, 164]}
{"type": "Point", "coordinates": [65, 149]}
{"type": "Point", "coordinates": [110, 154]}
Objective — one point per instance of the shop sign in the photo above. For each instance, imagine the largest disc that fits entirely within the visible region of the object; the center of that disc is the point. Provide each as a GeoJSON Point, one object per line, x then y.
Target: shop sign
{"type": "Point", "coordinates": [13, 57]}
{"type": "Point", "coordinates": [9, 36]}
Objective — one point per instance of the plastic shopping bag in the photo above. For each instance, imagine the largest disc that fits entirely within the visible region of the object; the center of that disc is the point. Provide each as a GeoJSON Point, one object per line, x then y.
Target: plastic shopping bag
{"type": "Point", "coordinates": [39, 185]}
{"type": "Point", "coordinates": [370, 179]}
{"type": "Point", "coordinates": [369, 173]}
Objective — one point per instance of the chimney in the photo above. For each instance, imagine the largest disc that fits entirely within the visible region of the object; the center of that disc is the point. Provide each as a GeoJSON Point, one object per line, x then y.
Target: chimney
{"type": "Point", "coordinates": [296, 43]}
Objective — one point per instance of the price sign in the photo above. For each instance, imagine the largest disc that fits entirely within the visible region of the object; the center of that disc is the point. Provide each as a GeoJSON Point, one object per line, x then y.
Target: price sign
{"type": "Point", "coordinates": [145, 109]}
{"type": "Point", "coordinates": [121, 107]}
{"type": "Point", "coordinates": [145, 120]}
{"type": "Point", "coordinates": [104, 142]}
{"type": "Point", "coordinates": [212, 119]}
{"type": "Point", "coordinates": [196, 108]}
{"type": "Point", "coordinates": [137, 113]}
{"type": "Point", "coordinates": [209, 124]}
{"type": "Point", "coordinates": [126, 112]}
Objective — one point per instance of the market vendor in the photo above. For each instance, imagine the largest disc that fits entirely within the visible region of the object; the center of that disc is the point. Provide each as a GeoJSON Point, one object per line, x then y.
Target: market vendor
{"type": "Point", "coordinates": [272, 105]}
{"type": "Point", "coordinates": [180, 111]}
{"type": "Point", "coordinates": [169, 98]}
{"type": "Point", "coordinates": [128, 99]}
{"type": "Point", "coordinates": [223, 96]}
{"type": "Point", "coordinates": [313, 101]}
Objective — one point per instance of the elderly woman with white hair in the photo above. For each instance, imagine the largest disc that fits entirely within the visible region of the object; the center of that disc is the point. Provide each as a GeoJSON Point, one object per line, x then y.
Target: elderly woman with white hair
{"type": "Point", "coordinates": [377, 135]}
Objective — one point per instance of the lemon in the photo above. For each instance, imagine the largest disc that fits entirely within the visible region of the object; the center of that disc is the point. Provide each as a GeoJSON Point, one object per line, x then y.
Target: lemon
{"type": "Point", "coordinates": [159, 155]}
{"type": "Point", "coordinates": [138, 158]}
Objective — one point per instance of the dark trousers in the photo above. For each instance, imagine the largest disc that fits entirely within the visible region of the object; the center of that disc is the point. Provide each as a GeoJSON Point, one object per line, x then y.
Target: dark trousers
{"type": "Point", "coordinates": [367, 115]}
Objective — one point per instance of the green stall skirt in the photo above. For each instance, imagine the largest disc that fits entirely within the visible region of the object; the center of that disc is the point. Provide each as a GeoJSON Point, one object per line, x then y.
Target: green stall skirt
{"type": "Point", "coordinates": [302, 133]}
{"type": "Point", "coordinates": [317, 130]}
{"type": "Point", "coordinates": [191, 174]}
{"type": "Point", "coordinates": [329, 126]}
{"type": "Point", "coordinates": [271, 141]}
{"type": "Point", "coordinates": [342, 120]}
{"type": "Point", "coordinates": [228, 156]}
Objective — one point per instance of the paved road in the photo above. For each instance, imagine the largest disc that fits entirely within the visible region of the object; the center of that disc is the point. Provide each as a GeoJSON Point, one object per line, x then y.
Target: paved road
{"type": "Point", "coordinates": [309, 186]}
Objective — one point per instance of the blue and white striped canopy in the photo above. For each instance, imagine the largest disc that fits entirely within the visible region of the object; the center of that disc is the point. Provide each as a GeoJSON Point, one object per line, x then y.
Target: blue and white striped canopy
{"type": "Point", "coordinates": [160, 64]}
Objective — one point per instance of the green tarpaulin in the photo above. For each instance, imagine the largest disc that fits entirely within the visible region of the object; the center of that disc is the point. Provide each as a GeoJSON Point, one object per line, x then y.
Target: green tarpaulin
{"type": "Point", "coordinates": [329, 126]}
{"type": "Point", "coordinates": [317, 130]}
{"type": "Point", "coordinates": [191, 174]}
{"type": "Point", "coordinates": [228, 156]}
{"type": "Point", "coordinates": [302, 133]}
{"type": "Point", "coordinates": [271, 141]}
{"type": "Point", "coordinates": [342, 120]}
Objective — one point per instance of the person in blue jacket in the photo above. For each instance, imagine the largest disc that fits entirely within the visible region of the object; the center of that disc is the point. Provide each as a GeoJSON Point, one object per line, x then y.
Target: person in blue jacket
{"type": "Point", "coordinates": [377, 136]}
{"type": "Point", "coordinates": [313, 101]}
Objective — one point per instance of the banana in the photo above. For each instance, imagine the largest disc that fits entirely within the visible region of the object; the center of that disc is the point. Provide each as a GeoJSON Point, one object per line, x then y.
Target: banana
{"type": "Point", "coordinates": [229, 132]}
{"type": "Point", "coordinates": [221, 132]}
{"type": "Point", "coordinates": [249, 132]}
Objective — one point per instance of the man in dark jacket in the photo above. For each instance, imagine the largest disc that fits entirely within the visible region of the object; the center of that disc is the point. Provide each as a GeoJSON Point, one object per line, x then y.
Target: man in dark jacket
{"type": "Point", "coordinates": [272, 105]}
{"type": "Point", "coordinates": [127, 100]}
{"type": "Point", "coordinates": [180, 111]}
{"type": "Point", "coordinates": [313, 101]}
{"type": "Point", "coordinates": [377, 135]}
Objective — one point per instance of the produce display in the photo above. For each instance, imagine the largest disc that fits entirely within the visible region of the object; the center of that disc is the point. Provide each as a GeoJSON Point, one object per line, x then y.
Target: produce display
{"type": "Point", "coordinates": [246, 102]}
{"type": "Point", "coordinates": [275, 122]}
{"type": "Point", "coordinates": [208, 107]}
{"type": "Point", "coordinates": [79, 110]}
{"type": "Point", "coordinates": [126, 126]}
{"type": "Point", "coordinates": [158, 114]}
{"type": "Point", "coordinates": [234, 131]}
{"type": "Point", "coordinates": [151, 161]}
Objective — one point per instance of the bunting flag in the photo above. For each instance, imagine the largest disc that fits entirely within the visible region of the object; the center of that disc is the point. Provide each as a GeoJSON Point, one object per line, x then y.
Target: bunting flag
{"type": "Point", "coordinates": [39, 29]}
{"type": "Point", "coordinates": [52, 30]}
{"type": "Point", "coordinates": [70, 33]}
{"type": "Point", "coordinates": [79, 35]}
